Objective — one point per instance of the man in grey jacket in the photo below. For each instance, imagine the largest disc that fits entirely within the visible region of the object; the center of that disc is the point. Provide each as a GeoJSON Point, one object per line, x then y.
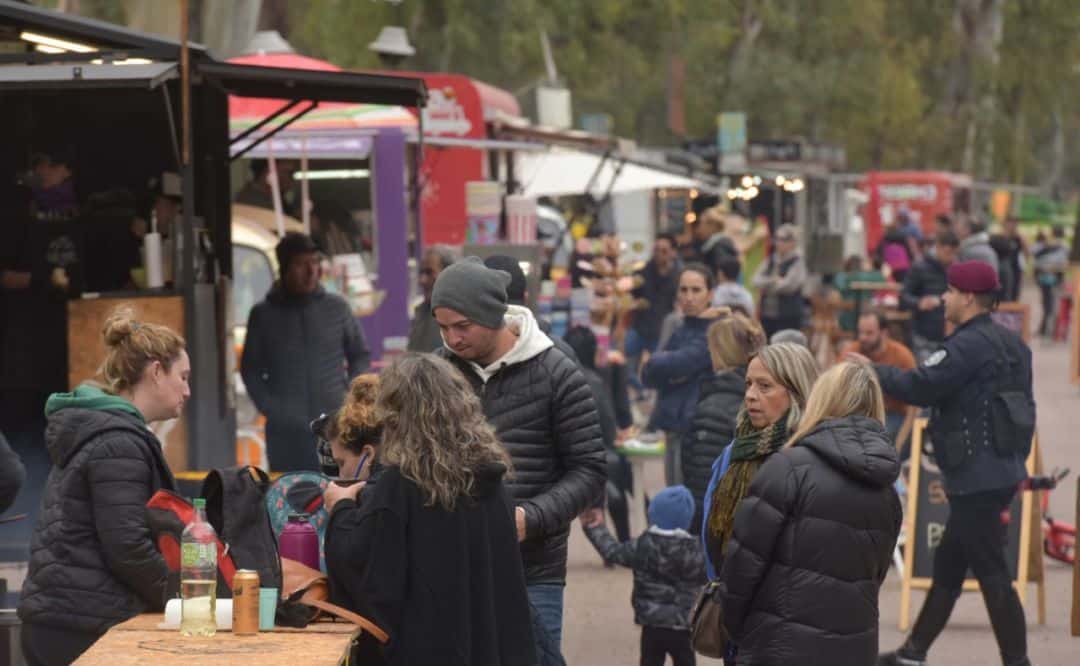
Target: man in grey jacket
{"type": "Point", "coordinates": [303, 346]}
{"type": "Point", "coordinates": [975, 242]}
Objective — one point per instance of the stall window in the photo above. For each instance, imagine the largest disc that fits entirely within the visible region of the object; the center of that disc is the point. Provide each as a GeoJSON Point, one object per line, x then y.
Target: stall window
{"type": "Point", "coordinates": [253, 275]}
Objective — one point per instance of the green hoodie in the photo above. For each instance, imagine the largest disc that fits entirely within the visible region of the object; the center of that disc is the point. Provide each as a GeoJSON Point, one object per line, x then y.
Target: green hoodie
{"type": "Point", "coordinates": [88, 396]}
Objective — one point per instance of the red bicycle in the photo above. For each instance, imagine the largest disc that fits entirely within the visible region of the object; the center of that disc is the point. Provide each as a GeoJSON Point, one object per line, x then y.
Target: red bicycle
{"type": "Point", "coordinates": [1059, 539]}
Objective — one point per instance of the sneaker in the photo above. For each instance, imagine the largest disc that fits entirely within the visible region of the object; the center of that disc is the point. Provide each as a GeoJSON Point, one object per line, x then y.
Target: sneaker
{"type": "Point", "coordinates": [896, 659]}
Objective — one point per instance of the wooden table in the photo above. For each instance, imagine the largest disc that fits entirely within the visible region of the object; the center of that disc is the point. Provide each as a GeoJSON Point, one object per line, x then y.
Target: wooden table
{"type": "Point", "coordinates": [139, 641]}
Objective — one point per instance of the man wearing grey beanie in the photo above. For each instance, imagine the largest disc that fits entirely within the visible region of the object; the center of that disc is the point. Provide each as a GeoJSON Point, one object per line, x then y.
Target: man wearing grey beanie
{"type": "Point", "coordinates": [543, 411]}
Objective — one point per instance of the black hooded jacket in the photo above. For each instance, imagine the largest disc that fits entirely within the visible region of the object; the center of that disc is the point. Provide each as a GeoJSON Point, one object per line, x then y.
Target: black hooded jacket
{"type": "Point", "coordinates": [93, 563]}
{"type": "Point", "coordinates": [713, 428]}
{"type": "Point", "coordinates": [447, 586]}
{"type": "Point", "coordinates": [812, 543]}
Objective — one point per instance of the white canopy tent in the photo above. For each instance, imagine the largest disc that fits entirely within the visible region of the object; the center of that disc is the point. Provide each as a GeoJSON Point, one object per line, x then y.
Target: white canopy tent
{"type": "Point", "coordinates": [569, 172]}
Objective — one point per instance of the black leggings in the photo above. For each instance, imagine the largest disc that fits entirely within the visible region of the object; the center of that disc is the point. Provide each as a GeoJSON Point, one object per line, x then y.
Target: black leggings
{"type": "Point", "coordinates": [43, 645]}
{"type": "Point", "coordinates": [658, 642]}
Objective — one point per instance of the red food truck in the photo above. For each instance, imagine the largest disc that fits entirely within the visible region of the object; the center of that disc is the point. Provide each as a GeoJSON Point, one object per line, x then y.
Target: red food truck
{"type": "Point", "coordinates": [923, 194]}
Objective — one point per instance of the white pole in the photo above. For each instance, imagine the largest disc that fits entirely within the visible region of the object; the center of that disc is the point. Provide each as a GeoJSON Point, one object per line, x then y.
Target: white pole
{"type": "Point", "coordinates": [305, 200]}
{"type": "Point", "coordinates": [275, 190]}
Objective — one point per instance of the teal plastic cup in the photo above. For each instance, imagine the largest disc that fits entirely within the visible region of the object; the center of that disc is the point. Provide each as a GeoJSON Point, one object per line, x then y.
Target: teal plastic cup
{"type": "Point", "coordinates": [268, 601]}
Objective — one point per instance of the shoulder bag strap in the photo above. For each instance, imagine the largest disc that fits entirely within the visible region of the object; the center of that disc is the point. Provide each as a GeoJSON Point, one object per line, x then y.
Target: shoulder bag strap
{"type": "Point", "coordinates": [349, 616]}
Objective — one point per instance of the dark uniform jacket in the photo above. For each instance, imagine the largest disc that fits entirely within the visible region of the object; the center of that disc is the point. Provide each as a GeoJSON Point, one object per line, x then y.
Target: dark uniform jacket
{"type": "Point", "coordinates": [926, 278]}
{"type": "Point", "coordinates": [812, 543]}
{"type": "Point", "coordinates": [93, 563]}
{"type": "Point", "coordinates": [543, 411]}
{"type": "Point", "coordinates": [669, 570]}
{"type": "Point", "coordinates": [959, 382]}
{"type": "Point", "coordinates": [299, 355]}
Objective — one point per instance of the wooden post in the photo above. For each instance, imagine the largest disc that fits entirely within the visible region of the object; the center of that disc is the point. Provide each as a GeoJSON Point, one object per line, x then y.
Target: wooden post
{"type": "Point", "coordinates": [910, 524]}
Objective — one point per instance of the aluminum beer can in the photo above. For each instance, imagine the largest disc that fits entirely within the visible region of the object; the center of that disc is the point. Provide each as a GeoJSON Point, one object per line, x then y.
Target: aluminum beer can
{"type": "Point", "coordinates": [245, 610]}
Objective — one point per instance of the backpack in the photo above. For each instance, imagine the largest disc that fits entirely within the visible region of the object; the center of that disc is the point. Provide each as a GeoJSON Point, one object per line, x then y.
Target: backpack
{"type": "Point", "coordinates": [244, 537]}
{"type": "Point", "coordinates": [1012, 410]}
{"type": "Point", "coordinates": [299, 492]}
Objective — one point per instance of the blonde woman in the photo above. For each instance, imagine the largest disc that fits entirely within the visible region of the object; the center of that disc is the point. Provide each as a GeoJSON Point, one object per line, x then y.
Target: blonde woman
{"type": "Point", "coordinates": [93, 562]}
{"type": "Point", "coordinates": [430, 552]}
{"type": "Point", "coordinates": [733, 340]}
{"type": "Point", "coordinates": [814, 537]}
{"type": "Point", "coordinates": [778, 382]}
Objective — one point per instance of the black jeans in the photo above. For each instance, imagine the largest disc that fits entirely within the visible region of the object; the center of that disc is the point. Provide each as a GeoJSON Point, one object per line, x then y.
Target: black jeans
{"type": "Point", "coordinates": [1049, 307]}
{"type": "Point", "coordinates": [658, 642]}
{"type": "Point", "coordinates": [974, 537]}
{"type": "Point", "coordinates": [43, 645]}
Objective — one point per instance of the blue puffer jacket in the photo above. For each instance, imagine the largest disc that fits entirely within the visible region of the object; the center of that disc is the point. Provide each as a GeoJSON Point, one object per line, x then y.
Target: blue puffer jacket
{"type": "Point", "coordinates": [676, 372]}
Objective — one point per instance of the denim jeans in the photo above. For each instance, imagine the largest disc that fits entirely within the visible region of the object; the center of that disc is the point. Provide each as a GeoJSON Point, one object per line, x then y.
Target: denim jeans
{"type": "Point", "coordinates": [893, 422]}
{"type": "Point", "coordinates": [547, 603]}
{"type": "Point", "coordinates": [633, 347]}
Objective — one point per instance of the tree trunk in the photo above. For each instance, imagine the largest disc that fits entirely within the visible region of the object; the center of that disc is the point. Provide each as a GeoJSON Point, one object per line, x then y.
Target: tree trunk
{"type": "Point", "coordinates": [979, 25]}
{"type": "Point", "coordinates": [229, 25]}
{"type": "Point", "coordinates": [1056, 162]}
{"type": "Point", "coordinates": [751, 24]}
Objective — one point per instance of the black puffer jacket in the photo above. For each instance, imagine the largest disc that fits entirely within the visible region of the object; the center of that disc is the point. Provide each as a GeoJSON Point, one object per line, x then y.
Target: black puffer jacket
{"type": "Point", "coordinates": [669, 571]}
{"type": "Point", "coordinates": [719, 400]}
{"type": "Point", "coordinates": [544, 413]}
{"type": "Point", "coordinates": [812, 544]}
{"type": "Point", "coordinates": [92, 561]}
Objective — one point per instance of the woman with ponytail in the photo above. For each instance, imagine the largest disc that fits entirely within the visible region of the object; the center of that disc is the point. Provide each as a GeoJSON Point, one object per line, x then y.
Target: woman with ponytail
{"type": "Point", "coordinates": [93, 563]}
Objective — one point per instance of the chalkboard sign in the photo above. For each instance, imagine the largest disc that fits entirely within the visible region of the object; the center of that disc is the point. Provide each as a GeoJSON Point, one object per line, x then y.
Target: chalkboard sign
{"type": "Point", "coordinates": [933, 513]}
{"type": "Point", "coordinates": [1016, 317]}
{"type": "Point", "coordinates": [928, 511]}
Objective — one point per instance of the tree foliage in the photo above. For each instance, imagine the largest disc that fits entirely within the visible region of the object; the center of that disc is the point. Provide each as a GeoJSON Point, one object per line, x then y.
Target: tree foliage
{"type": "Point", "coordinates": [984, 85]}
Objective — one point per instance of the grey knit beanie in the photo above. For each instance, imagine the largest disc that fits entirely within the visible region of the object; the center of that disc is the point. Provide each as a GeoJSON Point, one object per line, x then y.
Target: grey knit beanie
{"type": "Point", "coordinates": [474, 290]}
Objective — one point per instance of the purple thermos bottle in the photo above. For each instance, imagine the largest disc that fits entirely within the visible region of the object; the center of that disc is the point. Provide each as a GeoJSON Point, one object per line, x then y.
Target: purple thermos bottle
{"type": "Point", "coordinates": [299, 541]}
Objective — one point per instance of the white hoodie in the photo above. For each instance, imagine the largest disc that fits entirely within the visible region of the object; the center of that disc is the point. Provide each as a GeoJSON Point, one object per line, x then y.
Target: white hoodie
{"type": "Point", "coordinates": [530, 342]}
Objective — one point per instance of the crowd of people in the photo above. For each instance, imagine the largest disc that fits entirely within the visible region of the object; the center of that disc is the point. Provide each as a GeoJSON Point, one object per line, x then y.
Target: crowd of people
{"type": "Point", "coordinates": [478, 449]}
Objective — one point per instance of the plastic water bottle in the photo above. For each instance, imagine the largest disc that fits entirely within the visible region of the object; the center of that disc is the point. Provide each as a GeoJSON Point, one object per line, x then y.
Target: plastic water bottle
{"type": "Point", "coordinates": [198, 575]}
{"type": "Point", "coordinates": [299, 541]}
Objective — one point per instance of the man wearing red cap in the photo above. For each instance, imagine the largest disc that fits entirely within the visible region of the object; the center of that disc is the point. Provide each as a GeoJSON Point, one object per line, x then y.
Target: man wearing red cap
{"type": "Point", "coordinates": [979, 389]}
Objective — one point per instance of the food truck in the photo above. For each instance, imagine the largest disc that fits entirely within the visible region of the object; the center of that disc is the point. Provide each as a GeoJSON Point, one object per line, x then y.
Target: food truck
{"type": "Point", "coordinates": [129, 119]}
{"type": "Point", "coordinates": [923, 195]}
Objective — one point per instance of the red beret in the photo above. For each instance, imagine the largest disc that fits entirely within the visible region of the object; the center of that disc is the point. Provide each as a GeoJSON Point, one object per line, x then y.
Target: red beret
{"type": "Point", "coordinates": [974, 277]}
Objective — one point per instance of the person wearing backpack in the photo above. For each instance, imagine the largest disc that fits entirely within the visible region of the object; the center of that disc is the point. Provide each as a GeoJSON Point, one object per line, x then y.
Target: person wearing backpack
{"type": "Point", "coordinates": [979, 387]}
{"type": "Point", "coordinates": [93, 561]}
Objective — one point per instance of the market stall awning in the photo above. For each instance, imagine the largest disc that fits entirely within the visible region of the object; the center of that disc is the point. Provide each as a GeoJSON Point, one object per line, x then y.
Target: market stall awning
{"type": "Point", "coordinates": [570, 172]}
{"type": "Point", "coordinates": [314, 85]}
{"type": "Point", "coordinates": [245, 112]}
{"type": "Point", "coordinates": [81, 75]}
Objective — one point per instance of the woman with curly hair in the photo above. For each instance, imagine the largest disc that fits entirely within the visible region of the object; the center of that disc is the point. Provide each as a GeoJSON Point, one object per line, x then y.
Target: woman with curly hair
{"type": "Point", "coordinates": [430, 553]}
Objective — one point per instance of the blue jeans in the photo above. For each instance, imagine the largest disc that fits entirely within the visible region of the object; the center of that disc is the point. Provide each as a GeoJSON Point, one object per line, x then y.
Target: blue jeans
{"type": "Point", "coordinates": [547, 603]}
{"type": "Point", "coordinates": [893, 422]}
{"type": "Point", "coordinates": [633, 347]}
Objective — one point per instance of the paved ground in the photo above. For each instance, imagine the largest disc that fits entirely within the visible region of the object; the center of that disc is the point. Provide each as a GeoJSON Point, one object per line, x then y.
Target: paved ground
{"type": "Point", "coordinates": [599, 628]}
